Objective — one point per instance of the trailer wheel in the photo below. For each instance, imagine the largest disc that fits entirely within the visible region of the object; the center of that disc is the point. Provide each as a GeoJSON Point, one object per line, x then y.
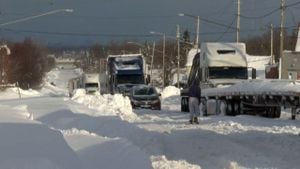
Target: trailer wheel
{"type": "Point", "coordinates": [184, 104]}
{"type": "Point", "coordinates": [203, 108]}
{"type": "Point", "coordinates": [293, 113]}
{"type": "Point", "coordinates": [273, 112]}
{"type": "Point", "coordinates": [277, 112]}
{"type": "Point", "coordinates": [230, 109]}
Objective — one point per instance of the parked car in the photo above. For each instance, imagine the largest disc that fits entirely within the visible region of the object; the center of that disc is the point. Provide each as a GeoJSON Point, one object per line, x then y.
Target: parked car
{"type": "Point", "coordinates": [147, 97]}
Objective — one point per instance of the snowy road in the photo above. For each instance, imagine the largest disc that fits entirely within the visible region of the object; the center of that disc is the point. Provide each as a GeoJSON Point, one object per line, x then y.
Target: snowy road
{"type": "Point", "coordinates": [218, 142]}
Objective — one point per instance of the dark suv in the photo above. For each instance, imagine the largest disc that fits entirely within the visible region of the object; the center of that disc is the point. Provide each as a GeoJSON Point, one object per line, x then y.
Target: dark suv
{"type": "Point", "coordinates": [147, 97]}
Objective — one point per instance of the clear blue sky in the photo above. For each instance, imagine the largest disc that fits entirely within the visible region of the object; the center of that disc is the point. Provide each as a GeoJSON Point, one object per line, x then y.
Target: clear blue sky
{"type": "Point", "coordinates": [117, 20]}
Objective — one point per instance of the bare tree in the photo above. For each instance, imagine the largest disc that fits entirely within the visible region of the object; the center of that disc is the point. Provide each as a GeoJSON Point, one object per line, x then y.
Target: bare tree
{"type": "Point", "coordinates": [260, 45]}
{"type": "Point", "coordinates": [27, 64]}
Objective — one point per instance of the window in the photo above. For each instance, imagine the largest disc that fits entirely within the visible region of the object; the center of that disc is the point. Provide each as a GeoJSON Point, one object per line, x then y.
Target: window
{"type": "Point", "coordinates": [224, 52]}
{"type": "Point", "coordinates": [228, 73]}
{"type": "Point", "coordinates": [145, 91]}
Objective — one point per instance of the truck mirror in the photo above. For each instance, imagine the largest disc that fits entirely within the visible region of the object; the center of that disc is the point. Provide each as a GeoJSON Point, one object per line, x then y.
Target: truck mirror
{"type": "Point", "coordinates": [253, 74]}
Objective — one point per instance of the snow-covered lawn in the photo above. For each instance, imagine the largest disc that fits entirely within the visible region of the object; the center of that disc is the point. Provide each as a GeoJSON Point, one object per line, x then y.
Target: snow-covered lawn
{"type": "Point", "coordinates": [45, 130]}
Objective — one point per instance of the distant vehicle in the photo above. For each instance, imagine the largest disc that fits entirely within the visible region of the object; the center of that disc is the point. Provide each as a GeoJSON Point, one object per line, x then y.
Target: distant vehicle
{"type": "Point", "coordinates": [147, 97]}
{"type": "Point", "coordinates": [91, 82]}
{"type": "Point", "coordinates": [125, 69]}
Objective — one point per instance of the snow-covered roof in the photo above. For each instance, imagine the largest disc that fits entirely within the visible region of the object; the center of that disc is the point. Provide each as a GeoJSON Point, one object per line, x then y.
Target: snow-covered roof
{"type": "Point", "coordinates": [224, 54]}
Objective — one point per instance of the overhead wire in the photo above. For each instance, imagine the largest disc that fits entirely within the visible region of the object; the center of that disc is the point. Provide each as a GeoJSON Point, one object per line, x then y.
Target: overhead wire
{"type": "Point", "coordinates": [271, 12]}
{"type": "Point", "coordinates": [226, 31]}
{"type": "Point", "coordinates": [228, 27]}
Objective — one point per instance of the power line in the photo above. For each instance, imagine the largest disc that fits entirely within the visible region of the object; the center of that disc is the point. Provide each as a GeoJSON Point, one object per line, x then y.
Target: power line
{"type": "Point", "coordinates": [217, 23]}
{"type": "Point", "coordinates": [76, 34]}
{"type": "Point", "coordinates": [262, 16]}
{"type": "Point", "coordinates": [116, 35]}
{"type": "Point", "coordinates": [98, 17]}
{"type": "Point", "coordinates": [271, 12]}
{"type": "Point", "coordinates": [292, 4]}
{"type": "Point", "coordinates": [226, 31]}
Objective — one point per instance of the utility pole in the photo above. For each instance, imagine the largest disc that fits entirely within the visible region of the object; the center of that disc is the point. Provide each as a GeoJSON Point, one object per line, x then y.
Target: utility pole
{"type": "Point", "coordinates": [271, 48]}
{"type": "Point", "coordinates": [198, 32]}
{"type": "Point", "coordinates": [238, 21]}
{"type": "Point", "coordinates": [178, 54]}
{"type": "Point", "coordinates": [152, 58]}
{"type": "Point", "coordinates": [282, 7]}
{"type": "Point", "coordinates": [164, 53]}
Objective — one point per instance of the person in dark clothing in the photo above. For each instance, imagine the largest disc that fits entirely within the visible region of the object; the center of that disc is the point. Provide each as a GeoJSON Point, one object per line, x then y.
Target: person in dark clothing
{"type": "Point", "coordinates": [194, 102]}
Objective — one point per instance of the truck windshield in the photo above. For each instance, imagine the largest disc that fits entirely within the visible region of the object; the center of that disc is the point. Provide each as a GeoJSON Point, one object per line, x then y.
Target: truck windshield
{"type": "Point", "coordinates": [91, 85]}
{"type": "Point", "coordinates": [134, 79]}
{"type": "Point", "coordinates": [144, 91]}
{"type": "Point", "coordinates": [228, 73]}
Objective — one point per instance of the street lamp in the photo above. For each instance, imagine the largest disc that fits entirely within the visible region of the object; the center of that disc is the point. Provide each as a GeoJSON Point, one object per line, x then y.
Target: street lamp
{"type": "Point", "coordinates": [164, 52]}
{"type": "Point", "coordinates": [22, 20]}
{"type": "Point", "coordinates": [197, 29]}
{"type": "Point", "coordinates": [36, 16]}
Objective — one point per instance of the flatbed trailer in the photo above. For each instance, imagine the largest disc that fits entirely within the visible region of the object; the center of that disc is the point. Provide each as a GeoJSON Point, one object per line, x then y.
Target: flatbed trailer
{"type": "Point", "coordinates": [262, 97]}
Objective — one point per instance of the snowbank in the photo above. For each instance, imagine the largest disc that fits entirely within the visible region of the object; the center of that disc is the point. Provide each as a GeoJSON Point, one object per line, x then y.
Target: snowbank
{"type": "Point", "coordinates": [170, 98]}
{"type": "Point", "coordinates": [161, 162]}
{"type": "Point", "coordinates": [27, 144]}
{"type": "Point", "coordinates": [56, 82]}
{"type": "Point", "coordinates": [107, 105]}
{"type": "Point", "coordinates": [15, 93]}
{"type": "Point", "coordinates": [110, 153]}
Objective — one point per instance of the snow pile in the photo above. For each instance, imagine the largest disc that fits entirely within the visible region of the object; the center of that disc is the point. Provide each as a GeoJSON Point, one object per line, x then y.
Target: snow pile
{"type": "Point", "coordinates": [161, 162]}
{"type": "Point", "coordinates": [56, 83]}
{"type": "Point", "coordinates": [51, 90]}
{"type": "Point", "coordinates": [27, 144]}
{"type": "Point", "coordinates": [15, 114]}
{"type": "Point", "coordinates": [107, 105]}
{"type": "Point", "coordinates": [170, 91]}
{"type": "Point", "coordinates": [229, 127]}
{"type": "Point", "coordinates": [110, 153]}
{"type": "Point", "coordinates": [15, 93]}
{"type": "Point", "coordinates": [170, 97]}
{"type": "Point", "coordinates": [74, 131]}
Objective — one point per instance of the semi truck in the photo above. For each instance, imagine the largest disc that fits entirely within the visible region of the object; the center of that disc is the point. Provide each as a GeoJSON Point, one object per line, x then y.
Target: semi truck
{"type": "Point", "coordinates": [223, 75]}
{"type": "Point", "coordinates": [126, 70]}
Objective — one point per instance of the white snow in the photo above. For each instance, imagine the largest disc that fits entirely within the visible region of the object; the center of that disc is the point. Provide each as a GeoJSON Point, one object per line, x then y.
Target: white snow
{"type": "Point", "coordinates": [45, 129]}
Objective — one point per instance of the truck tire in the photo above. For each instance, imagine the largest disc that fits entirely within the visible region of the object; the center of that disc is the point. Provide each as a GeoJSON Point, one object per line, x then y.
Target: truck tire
{"type": "Point", "coordinates": [232, 108]}
{"type": "Point", "coordinates": [277, 112]}
{"type": "Point", "coordinates": [273, 112]}
{"type": "Point", "coordinates": [184, 104]}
